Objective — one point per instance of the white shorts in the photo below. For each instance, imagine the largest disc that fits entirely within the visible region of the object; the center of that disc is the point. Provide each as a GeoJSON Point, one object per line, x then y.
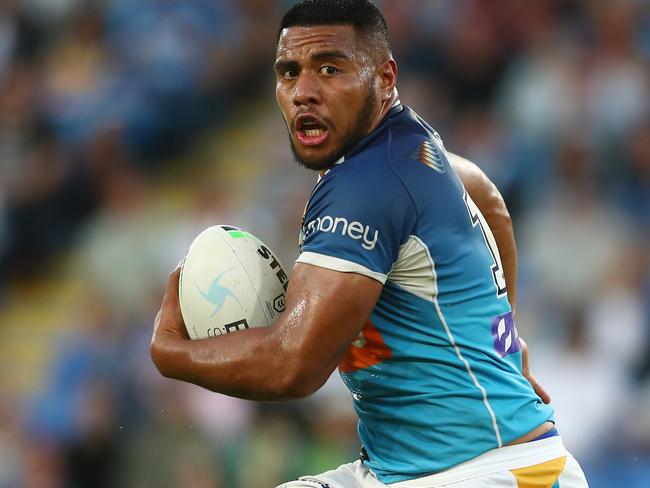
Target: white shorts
{"type": "Point", "coordinates": [538, 464]}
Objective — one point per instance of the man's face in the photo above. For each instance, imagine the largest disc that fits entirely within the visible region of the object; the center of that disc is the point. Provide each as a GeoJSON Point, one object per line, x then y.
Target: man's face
{"type": "Point", "coordinates": [327, 91]}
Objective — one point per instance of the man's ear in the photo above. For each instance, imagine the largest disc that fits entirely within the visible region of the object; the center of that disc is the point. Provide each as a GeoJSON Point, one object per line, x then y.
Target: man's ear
{"type": "Point", "coordinates": [387, 78]}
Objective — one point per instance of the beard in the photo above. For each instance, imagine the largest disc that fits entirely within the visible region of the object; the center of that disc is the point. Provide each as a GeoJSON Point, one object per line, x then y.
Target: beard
{"type": "Point", "coordinates": [360, 130]}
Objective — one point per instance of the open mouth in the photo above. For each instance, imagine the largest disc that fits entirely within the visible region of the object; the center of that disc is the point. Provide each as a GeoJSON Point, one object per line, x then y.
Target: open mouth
{"type": "Point", "coordinates": [310, 131]}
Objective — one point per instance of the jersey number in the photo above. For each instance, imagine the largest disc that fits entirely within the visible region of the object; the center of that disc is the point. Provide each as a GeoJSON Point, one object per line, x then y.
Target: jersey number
{"type": "Point", "coordinates": [496, 268]}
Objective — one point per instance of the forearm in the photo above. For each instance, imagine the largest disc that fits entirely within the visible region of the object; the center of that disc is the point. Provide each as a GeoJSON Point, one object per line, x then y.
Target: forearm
{"type": "Point", "coordinates": [248, 364]}
{"type": "Point", "coordinates": [487, 198]}
{"type": "Point", "coordinates": [291, 359]}
{"type": "Point", "coordinates": [264, 363]}
{"type": "Point", "coordinates": [501, 225]}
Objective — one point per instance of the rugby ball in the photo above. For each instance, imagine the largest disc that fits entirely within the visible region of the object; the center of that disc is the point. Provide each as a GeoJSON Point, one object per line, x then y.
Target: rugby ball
{"type": "Point", "coordinates": [230, 281]}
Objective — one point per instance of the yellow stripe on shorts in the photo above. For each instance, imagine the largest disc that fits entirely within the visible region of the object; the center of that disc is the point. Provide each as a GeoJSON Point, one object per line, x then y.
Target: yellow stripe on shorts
{"type": "Point", "coordinates": [543, 475]}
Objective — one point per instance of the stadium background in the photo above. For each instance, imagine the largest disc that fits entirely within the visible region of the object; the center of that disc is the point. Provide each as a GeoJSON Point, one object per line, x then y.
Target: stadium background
{"type": "Point", "coordinates": [127, 126]}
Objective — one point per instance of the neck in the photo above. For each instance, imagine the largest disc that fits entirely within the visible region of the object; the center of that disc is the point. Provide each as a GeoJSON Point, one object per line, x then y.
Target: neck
{"type": "Point", "coordinates": [384, 107]}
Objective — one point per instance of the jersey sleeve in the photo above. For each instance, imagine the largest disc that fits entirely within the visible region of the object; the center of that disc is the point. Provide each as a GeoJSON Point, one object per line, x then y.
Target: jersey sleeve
{"type": "Point", "coordinates": [356, 225]}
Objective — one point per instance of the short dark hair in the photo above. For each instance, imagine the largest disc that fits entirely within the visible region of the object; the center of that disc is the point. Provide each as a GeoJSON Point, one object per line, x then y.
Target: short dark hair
{"type": "Point", "coordinates": [366, 19]}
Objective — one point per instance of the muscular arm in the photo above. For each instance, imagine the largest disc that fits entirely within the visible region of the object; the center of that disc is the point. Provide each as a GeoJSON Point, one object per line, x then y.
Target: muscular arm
{"type": "Point", "coordinates": [291, 359]}
{"type": "Point", "coordinates": [487, 198]}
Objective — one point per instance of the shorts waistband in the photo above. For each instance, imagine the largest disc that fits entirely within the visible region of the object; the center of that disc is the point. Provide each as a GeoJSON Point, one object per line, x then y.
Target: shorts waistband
{"type": "Point", "coordinates": [500, 459]}
{"type": "Point", "coordinates": [363, 455]}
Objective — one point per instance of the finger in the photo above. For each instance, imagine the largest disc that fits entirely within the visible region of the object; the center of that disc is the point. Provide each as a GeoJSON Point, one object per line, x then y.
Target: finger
{"type": "Point", "coordinates": [170, 308]}
{"type": "Point", "coordinates": [174, 276]}
{"type": "Point", "coordinates": [539, 389]}
{"type": "Point", "coordinates": [171, 292]}
{"type": "Point", "coordinates": [156, 325]}
{"type": "Point", "coordinates": [524, 352]}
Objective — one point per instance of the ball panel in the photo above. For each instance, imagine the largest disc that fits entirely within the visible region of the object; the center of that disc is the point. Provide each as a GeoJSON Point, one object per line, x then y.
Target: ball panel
{"type": "Point", "coordinates": [267, 274]}
{"type": "Point", "coordinates": [229, 281]}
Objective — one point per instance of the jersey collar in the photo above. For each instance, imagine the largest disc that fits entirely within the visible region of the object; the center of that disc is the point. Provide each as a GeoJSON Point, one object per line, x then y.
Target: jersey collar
{"type": "Point", "coordinates": [396, 109]}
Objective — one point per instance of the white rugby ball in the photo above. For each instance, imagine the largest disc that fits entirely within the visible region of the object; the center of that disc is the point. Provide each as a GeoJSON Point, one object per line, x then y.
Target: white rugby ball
{"type": "Point", "coordinates": [230, 281]}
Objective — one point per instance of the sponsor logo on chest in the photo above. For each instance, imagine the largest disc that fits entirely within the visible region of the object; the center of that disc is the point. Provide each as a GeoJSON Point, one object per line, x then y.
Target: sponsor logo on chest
{"type": "Point", "coordinates": [340, 225]}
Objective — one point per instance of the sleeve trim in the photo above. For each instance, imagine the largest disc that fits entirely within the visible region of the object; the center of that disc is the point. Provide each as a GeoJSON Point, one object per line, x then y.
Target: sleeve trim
{"type": "Point", "coordinates": [338, 264]}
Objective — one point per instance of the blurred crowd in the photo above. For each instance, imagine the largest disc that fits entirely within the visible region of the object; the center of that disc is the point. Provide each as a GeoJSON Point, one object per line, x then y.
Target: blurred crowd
{"type": "Point", "coordinates": [127, 126]}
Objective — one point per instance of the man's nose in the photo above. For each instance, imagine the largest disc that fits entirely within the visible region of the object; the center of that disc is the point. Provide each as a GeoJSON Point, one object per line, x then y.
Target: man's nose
{"type": "Point", "coordinates": [306, 90]}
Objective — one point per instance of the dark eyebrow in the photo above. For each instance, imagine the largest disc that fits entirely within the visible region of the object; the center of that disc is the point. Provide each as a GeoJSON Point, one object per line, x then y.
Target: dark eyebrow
{"type": "Point", "coordinates": [282, 66]}
{"type": "Point", "coordinates": [334, 54]}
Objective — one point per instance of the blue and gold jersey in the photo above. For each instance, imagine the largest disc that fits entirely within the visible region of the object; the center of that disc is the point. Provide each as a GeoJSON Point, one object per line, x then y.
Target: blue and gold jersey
{"type": "Point", "coordinates": [435, 374]}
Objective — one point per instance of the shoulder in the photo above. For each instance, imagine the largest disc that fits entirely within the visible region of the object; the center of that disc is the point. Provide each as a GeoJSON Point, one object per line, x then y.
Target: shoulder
{"type": "Point", "coordinates": [414, 148]}
{"type": "Point", "coordinates": [366, 179]}
{"type": "Point", "coordinates": [382, 161]}
{"type": "Point", "coordinates": [359, 214]}
{"type": "Point", "coordinates": [419, 158]}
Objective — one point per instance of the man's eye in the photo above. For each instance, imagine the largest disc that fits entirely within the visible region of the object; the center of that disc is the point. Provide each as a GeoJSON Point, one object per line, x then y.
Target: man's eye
{"type": "Point", "coordinates": [289, 74]}
{"type": "Point", "coordinates": [328, 70]}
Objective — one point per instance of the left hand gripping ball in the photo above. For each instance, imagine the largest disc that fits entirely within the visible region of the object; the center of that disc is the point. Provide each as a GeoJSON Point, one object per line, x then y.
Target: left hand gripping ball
{"type": "Point", "coordinates": [230, 281]}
